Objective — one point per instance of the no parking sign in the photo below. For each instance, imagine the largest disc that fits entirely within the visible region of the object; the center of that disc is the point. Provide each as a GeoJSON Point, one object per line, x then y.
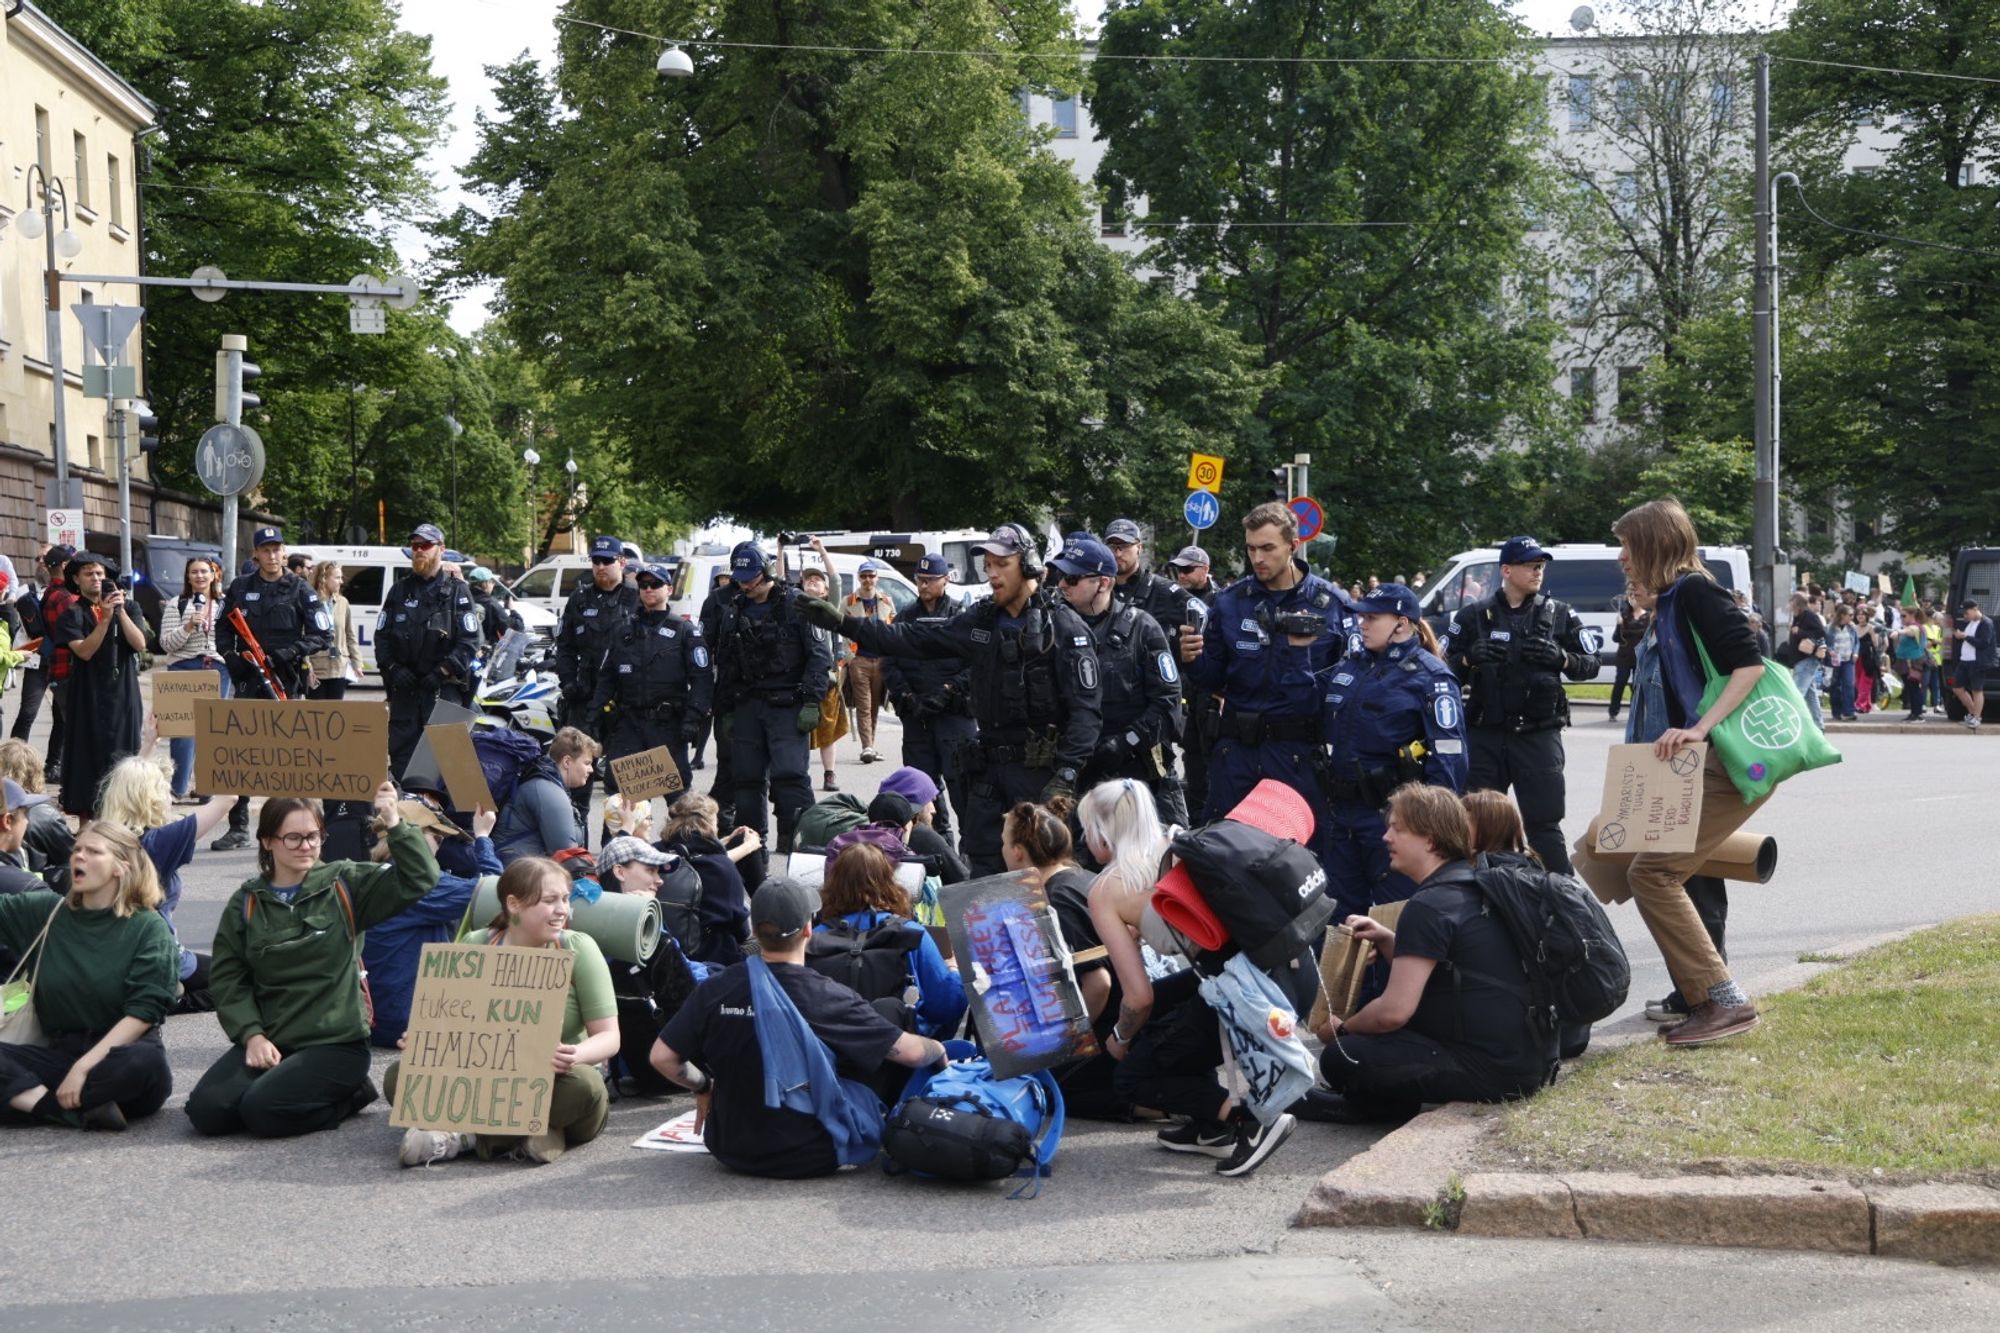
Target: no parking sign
{"type": "Point", "coordinates": [1312, 519]}
{"type": "Point", "coordinates": [66, 527]}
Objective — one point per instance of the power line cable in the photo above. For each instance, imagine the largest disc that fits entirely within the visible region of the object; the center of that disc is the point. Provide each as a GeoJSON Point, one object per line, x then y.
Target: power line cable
{"type": "Point", "coordinates": [1886, 236]}
{"type": "Point", "coordinates": [1885, 69]}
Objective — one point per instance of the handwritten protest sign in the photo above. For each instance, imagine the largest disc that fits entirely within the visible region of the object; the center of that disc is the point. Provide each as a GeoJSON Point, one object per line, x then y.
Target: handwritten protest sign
{"type": "Point", "coordinates": [1650, 805]}
{"type": "Point", "coordinates": [333, 749]}
{"type": "Point", "coordinates": [458, 766]}
{"type": "Point", "coordinates": [174, 693]}
{"type": "Point", "coordinates": [1026, 1003]}
{"type": "Point", "coordinates": [484, 1026]}
{"type": "Point", "coordinates": [649, 773]}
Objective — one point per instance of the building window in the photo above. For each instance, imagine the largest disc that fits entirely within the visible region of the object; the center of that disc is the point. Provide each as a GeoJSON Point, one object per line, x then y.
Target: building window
{"type": "Point", "coordinates": [1027, 106]}
{"type": "Point", "coordinates": [1628, 393]}
{"type": "Point", "coordinates": [1538, 218]}
{"type": "Point", "coordinates": [1538, 115]}
{"type": "Point", "coordinates": [1721, 99]}
{"type": "Point", "coordinates": [1625, 196]}
{"type": "Point", "coordinates": [1580, 88]}
{"type": "Point", "coordinates": [42, 140]}
{"type": "Point", "coordinates": [1626, 90]}
{"type": "Point", "coordinates": [93, 452]}
{"type": "Point", "coordinates": [1583, 389]}
{"type": "Point", "coordinates": [1111, 213]}
{"type": "Point", "coordinates": [1582, 295]}
{"type": "Point", "coordinates": [1967, 174]}
{"type": "Point", "coordinates": [1535, 295]}
{"type": "Point", "coordinates": [81, 147]}
{"type": "Point", "coordinates": [1062, 111]}
{"type": "Point", "coordinates": [115, 183]}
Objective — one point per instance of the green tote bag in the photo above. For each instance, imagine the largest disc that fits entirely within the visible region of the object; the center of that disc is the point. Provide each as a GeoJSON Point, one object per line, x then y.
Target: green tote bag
{"type": "Point", "coordinates": [1770, 736]}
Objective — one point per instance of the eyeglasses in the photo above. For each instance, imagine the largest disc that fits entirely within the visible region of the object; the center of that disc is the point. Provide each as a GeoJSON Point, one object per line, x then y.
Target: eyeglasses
{"type": "Point", "coordinates": [423, 546]}
{"type": "Point", "coordinates": [1071, 580]}
{"type": "Point", "coordinates": [299, 841]}
{"type": "Point", "coordinates": [604, 560]}
{"type": "Point", "coordinates": [650, 584]}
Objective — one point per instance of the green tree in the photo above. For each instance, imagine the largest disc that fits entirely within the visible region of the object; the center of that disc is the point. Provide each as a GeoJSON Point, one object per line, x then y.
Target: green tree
{"type": "Point", "coordinates": [1712, 480]}
{"type": "Point", "coordinates": [1354, 224]}
{"type": "Point", "coordinates": [827, 286]}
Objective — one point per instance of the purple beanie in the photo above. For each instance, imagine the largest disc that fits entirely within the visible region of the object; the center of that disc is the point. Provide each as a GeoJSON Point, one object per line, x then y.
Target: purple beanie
{"type": "Point", "coordinates": [913, 784]}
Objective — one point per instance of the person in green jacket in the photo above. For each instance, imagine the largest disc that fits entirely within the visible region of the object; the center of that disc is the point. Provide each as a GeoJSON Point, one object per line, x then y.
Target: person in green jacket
{"type": "Point", "coordinates": [534, 897]}
{"type": "Point", "coordinates": [105, 968]}
{"type": "Point", "coordinates": [286, 976]}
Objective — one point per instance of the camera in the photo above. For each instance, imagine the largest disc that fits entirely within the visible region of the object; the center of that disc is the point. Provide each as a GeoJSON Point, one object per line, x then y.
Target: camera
{"type": "Point", "coordinates": [791, 539]}
{"type": "Point", "coordinates": [1304, 624]}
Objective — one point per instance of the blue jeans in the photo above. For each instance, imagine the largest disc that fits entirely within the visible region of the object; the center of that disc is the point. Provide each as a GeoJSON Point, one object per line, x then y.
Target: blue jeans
{"type": "Point", "coordinates": [1934, 686]}
{"type": "Point", "coordinates": [1803, 672]}
{"type": "Point", "coordinates": [182, 747]}
{"type": "Point", "coordinates": [1842, 691]}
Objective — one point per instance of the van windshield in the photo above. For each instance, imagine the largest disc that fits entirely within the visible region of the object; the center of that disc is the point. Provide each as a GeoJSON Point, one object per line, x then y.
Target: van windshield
{"type": "Point", "coordinates": [1462, 587]}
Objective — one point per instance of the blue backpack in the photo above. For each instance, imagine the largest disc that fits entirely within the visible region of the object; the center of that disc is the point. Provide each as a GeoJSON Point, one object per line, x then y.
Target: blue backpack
{"type": "Point", "coordinates": [961, 1123]}
{"type": "Point", "coordinates": [503, 754]}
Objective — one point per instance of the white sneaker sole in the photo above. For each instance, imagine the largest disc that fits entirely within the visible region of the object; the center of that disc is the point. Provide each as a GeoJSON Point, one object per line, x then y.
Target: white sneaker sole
{"type": "Point", "coordinates": [1274, 1138]}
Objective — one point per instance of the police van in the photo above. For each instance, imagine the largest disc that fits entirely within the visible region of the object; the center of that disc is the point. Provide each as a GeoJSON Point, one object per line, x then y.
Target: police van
{"type": "Point", "coordinates": [367, 574]}
{"type": "Point", "coordinates": [551, 581]}
{"type": "Point", "coordinates": [700, 569]}
{"type": "Point", "coordinates": [1588, 577]}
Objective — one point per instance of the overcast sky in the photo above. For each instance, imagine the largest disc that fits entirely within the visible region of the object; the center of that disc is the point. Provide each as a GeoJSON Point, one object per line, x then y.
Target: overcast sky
{"type": "Point", "coordinates": [468, 35]}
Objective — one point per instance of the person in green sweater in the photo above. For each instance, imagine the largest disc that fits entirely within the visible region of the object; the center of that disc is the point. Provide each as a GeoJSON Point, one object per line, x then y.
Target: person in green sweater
{"type": "Point", "coordinates": [534, 914]}
{"type": "Point", "coordinates": [104, 966]}
{"type": "Point", "coordinates": [286, 977]}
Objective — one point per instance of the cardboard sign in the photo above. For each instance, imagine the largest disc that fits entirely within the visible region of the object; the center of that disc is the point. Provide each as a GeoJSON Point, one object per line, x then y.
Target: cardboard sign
{"type": "Point", "coordinates": [458, 767]}
{"type": "Point", "coordinates": [1650, 805]}
{"type": "Point", "coordinates": [421, 773]}
{"type": "Point", "coordinates": [484, 1026]}
{"type": "Point", "coordinates": [1018, 972]}
{"type": "Point", "coordinates": [1856, 583]}
{"type": "Point", "coordinates": [331, 749]}
{"type": "Point", "coordinates": [649, 773]}
{"type": "Point", "coordinates": [174, 693]}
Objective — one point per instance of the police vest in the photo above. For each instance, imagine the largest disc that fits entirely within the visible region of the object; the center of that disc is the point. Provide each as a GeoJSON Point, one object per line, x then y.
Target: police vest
{"type": "Point", "coordinates": [764, 653]}
{"type": "Point", "coordinates": [1120, 672]}
{"type": "Point", "coordinates": [418, 622]}
{"type": "Point", "coordinates": [1510, 693]}
{"type": "Point", "coordinates": [648, 663]}
{"type": "Point", "coordinates": [1014, 674]}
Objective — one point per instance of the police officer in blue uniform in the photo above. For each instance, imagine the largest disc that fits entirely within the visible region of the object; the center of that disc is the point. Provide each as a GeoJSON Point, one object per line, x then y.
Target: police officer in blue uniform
{"type": "Point", "coordinates": [1392, 716]}
{"type": "Point", "coordinates": [1034, 689]}
{"type": "Point", "coordinates": [1270, 638]}
{"type": "Point", "coordinates": [425, 640]}
{"type": "Point", "coordinates": [656, 683]}
{"type": "Point", "coordinates": [933, 695]}
{"type": "Point", "coordinates": [1139, 681]}
{"type": "Point", "coordinates": [772, 669]}
{"type": "Point", "coordinates": [1512, 651]}
{"type": "Point", "coordinates": [592, 617]}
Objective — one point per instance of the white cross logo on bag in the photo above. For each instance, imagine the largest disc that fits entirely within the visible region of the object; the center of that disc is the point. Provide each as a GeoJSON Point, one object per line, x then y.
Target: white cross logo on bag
{"type": "Point", "coordinates": [1771, 724]}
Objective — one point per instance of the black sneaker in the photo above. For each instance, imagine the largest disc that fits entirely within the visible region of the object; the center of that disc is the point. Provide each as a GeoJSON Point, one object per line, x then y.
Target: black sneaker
{"type": "Point", "coordinates": [1254, 1142]}
{"type": "Point", "coordinates": [233, 841]}
{"type": "Point", "coordinates": [361, 1099]}
{"type": "Point", "coordinates": [105, 1117]}
{"type": "Point", "coordinates": [1672, 1009]}
{"type": "Point", "coordinates": [1210, 1138]}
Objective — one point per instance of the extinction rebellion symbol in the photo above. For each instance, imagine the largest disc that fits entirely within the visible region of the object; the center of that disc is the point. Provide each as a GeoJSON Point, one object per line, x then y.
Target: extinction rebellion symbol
{"type": "Point", "coordinates": [1771, 724]}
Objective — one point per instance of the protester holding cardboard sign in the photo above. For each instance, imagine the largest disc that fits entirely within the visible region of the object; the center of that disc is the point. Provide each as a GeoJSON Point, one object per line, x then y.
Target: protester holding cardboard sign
{"type": "Point", "coordinates": [286, 974]}
{"type": "Point", "coordinates": [534, 914]}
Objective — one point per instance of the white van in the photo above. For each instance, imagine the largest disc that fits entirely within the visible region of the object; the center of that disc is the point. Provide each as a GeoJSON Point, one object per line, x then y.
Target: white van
{"type": "Point", "coordinates": [902, 550]}
{"type": "Point", "coordinates": [367, 574]}
{"type": "Point", "coordinates": [698, 573]}
{"type": "Point", "coordinates": [551, 581]}
{"type": "Point", "coordinates": [1587, 577]}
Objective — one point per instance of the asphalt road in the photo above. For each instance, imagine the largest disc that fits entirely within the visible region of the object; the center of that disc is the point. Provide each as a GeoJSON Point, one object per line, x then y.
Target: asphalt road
{"type": "Point", "coordinates": [157, 1229]}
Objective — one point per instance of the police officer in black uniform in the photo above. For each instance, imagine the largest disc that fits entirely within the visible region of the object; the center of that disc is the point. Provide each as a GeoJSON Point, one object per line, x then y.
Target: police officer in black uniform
{"type": "Point", "coordinates": [933, 695]}
{"type": "Point", "coordinates": [1190, 569]}
{"type": "Point", "coordinates": [425, 640]}
{"type": "Point", "coordinates": [290, 624]}
{"type": "Point", "coordinates": [1512, 650]}
{"type": "Point", "coordinates": [656, 682]}
{"type": "Point", "coordinates": [592, 617]}
{"type": "Point", "coordinates": [1034, 689]}
{"type": "Point", "coordinates": [772, 667]}
{"type": "Point", "coordinates": [723, 789]}
{"type": "Point", "coordinates": [1139, 681]}
{"type": "Point", "coordinates": [1183, 617]}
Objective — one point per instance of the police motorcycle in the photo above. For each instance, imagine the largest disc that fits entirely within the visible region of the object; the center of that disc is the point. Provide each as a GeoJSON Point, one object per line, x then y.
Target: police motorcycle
{"type": "Point", "coordinates": [514, 688]}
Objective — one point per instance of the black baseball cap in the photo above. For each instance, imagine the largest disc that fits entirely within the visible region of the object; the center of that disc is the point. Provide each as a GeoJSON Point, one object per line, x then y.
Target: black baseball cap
{"type": "Point", "coordinates": [1522, 551]}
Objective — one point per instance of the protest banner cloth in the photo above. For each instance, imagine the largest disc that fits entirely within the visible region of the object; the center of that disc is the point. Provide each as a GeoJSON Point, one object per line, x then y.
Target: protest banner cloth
{"type": "Point", "coordinates": [458, 766]}
{"type": "Point", "coordinates": [649, 773]}
{"type": "Point", "coordinates": [1021, 978]}
{"type": "Point", "coordinates": [174, 693]}
{"type": "Point", "coordinates": [1650, 804]}
{"type": "Point", "coordinates": [325, 748]}
{"type": "Point", "coordinates": [484, 1026]}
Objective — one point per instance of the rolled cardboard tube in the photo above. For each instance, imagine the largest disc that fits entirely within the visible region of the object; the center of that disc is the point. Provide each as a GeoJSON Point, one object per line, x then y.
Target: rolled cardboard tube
{"type": "Point", "coordinates": [1750, 858]}
{"type": "Point", "coordinates": [626, 926]}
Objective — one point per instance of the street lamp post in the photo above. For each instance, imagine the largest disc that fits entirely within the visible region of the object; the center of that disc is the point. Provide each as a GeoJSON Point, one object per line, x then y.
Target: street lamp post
{"type": "Point", "coordinates": [40, 222]}
{"type": "Point", "coordinates": [533, 460]}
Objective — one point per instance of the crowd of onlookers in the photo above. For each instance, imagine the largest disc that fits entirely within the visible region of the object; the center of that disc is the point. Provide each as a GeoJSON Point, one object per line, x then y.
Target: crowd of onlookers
{"type": "Point", "coordinates": [1871, 653]}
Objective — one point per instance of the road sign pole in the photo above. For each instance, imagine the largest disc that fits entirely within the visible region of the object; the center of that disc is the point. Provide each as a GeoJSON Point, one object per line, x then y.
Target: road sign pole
{"type": "Point", "coordinates": [234, 345]}
{"type": "Point", "coordinates": [124, 414]}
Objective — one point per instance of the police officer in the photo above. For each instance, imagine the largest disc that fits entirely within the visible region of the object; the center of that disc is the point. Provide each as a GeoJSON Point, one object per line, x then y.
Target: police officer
{"type": "Point", "coordinates": [1190, 569]}
{"type": "Point", "coordinates": [1034, 689]}
{"type": "Point", "coordinates": [772, 667]}
{"type": "Point", "coordinates": [425, 640]}
{"type": "Point", "coordinates": [1270, 637]}
{"type": "Point", "coordinates": [594, 614]}
{"type": "Point", "coordinates": [720, 594]}
{"type": "Point", "coordinates": [1392, 716]}
{"type": "Point", "coordinates": [933, 696]}
{"type": "Point", "coordinates": [1512, 650]}
{"type": "Point", "coordinates": [1139, 682]}
{"type": "Point", "coordinates": [290, 624]}
{"type": "Point", "coordinates": [656, 682]}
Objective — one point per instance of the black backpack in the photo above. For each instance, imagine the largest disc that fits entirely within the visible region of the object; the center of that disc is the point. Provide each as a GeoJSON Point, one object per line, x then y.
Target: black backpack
{"type": "Point", "coordinates": [680, 905]}
{"type": "Point", "coordinates": [874, 963]}
{"type": "Point", "coordinates": [1575, 968]}
{"type": "Point", "coordinates": [1268, 892]}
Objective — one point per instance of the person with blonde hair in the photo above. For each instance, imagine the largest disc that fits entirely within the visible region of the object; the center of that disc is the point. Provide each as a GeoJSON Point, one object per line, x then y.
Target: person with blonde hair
{"type": "Point", "coordinates": [45, 846]}
{"type": "Point", "coordinates": [137, 797]}
{"type": "Point", "coordinates": [102, 964]}
{"type": "Point", "coordinates": [328, 673]}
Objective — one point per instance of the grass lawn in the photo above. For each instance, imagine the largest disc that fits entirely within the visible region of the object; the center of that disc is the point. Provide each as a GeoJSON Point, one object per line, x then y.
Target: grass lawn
{"type": "Point", "coordinates": [1888, 1066]}
{"type": "Point", "coordinates": [1598, 692]}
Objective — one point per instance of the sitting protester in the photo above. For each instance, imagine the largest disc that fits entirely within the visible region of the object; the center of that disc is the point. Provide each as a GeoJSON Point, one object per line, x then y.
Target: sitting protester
{"type": "Point", "coordinates": [138, 796]}
{"type": "Point", "coordinates": [867, 939]}
{"type": "Point", "coordinates": [45, 849]}
{"type": "Point", "coordinates": [287, 978]}
{"type": "Point", "coordinates": [926, 843]}
{"type": "Point", "coordinates": [890, 818]}
{"type": "Point", "coordinates": [534, 914]}
{"type": "Point", "coordinates": [391, 950]}
{"type": "Point", "coordinates": [540, 818]}
{"type": "Point", "coordinates": [1446, 1028]}
{"type": "Point", "coordinates": [652, 992]}
{"type": "Point", "coordinates": [775, 1053]}
{"type": "Point", "coordinates": [103, 980]}
{"type": "Point", "coordinates": [725, 908]}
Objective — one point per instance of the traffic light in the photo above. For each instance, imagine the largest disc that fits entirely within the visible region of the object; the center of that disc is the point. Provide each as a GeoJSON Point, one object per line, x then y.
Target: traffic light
{"type": "Point", "coordinates": [149, 428]}
{"type": "Point", "coordinates": [1281, 483]}
{"type": "Point", "coordinates": [231, 372]}
{"type": "Point", "coordinates": [247, 371]}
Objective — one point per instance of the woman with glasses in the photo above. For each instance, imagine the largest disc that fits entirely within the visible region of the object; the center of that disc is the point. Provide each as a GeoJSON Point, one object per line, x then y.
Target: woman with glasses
{"type": "Point", "coordinates": [286, 974]}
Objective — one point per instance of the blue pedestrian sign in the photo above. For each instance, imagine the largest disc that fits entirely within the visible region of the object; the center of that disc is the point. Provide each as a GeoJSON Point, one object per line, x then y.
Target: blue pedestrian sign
{"type": "Point", "coordinates": [1202, 509]}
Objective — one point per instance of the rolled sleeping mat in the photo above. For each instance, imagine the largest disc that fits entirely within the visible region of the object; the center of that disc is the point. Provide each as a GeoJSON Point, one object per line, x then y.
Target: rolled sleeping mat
{"type": "Point", "coordinates": [1749, 858]}
{"type": "Point", "coordinates": [625, 925]}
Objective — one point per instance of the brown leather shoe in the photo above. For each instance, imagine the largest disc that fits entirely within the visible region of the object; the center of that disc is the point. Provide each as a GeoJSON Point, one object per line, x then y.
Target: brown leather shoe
{"type": "Point", "coordinates": [1712, 1022]}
